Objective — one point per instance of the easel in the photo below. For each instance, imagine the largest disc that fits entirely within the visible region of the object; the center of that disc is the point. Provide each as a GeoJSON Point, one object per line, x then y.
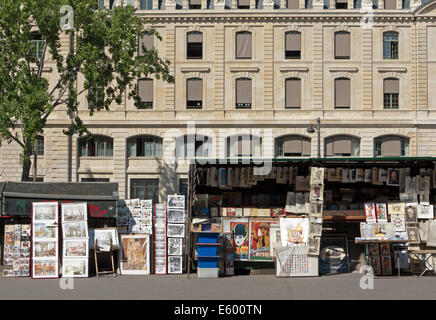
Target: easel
{"type": "Point", "coordinates": [111, 251]}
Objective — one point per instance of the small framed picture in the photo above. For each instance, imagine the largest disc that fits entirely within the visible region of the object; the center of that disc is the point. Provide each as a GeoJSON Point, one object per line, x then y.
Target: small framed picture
{"type": "Point", "coordinates": [76, 248]}
{"type": "Point", "coordinates": [72, 212]}
{"type": "Point", "coordinates": [176, 215]}
{"type": "Point", "coordinates": [393, 178]}
{"type": "Point", "coordinates": [374, 249]}
{"type": "Point", "coordinates": [375, 264]}
{"type": "Point", "coordinates": [75, 229]}
{"type": "Point", "coordinates": [370, 212]}
{"type": "Point", "coordinates": [425, 212]}
{"type": "Point", "coordinates": [413, 234]}
{"type": "Point", "coordinates": [315, 209]}
{"type": "Point", "coordinates": [411, 212]}
{"type": "Point", "coordinates": [174, 264]}
{"type": "Point", "coordinates": [72, 268]}
{"type": "Point", "coordinates": [396, 208]}
{"type": "Point", "coordinates": [314, 244]}
{"type": "Point", "coordinates": [315, 226]}
{"type": "Point", "coordinates": [316, 192]}
{"type": "Point", "coordinates": [176, 201]}
{"type": "Point", "coordinates": [146, 204]}
{"type": "Point", "coordinates": [317, 175]}
{"type": "Point", "coordinates": [176, 230]}
{"type": "Point", "coordinates": [175, 246]}
{"type": "Point", "coordinates": [381, 212]}
{"type": "Point", "coordinates": [385, 249]}
{"type": "Point", "coordinates": [399, 222]}
{"type": "Point", "coordinates": [386, 264]}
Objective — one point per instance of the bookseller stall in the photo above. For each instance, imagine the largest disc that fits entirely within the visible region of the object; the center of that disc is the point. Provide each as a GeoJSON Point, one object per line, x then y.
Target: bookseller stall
{"type": "Point", "coordinates": [310, 217]}
{"type": "Point", "coordinates": [46, 227]}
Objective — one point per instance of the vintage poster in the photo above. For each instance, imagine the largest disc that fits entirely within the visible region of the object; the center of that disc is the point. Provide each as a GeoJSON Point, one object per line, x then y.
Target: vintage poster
{"type": "Point", "coordinates": [316, 175]}
{"type": "Point", "coordinates": [376, 265]}
{"type": "Point", "coordinates": [240, 238]}
{"type": "Point", "coordinates": [135, 254]}
{"type": "Point", "coordinates": [386, 264]}
{"type": "Point", "coordinates": [260, 241]}
{"type": "Point", "coordinates": [411, 213]}
{"type": "Point", "coordinates": [333, 255]}
{"type": "Point", "coordinates": [381, 212]}
{"type": "Point", "coordinates": [294, 231]}
{"type": "Point", "coordinates": [396, 208]}
{"type": "Point", "coordinates": [370, 212]}
{"type": "Point", "coordinates": [399, 222]}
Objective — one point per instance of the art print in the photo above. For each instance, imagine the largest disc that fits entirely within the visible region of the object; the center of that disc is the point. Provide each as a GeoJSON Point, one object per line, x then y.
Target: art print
{"type": "Point", "coordinates": [175, 246]}
{"type": "Point", "coordinates": [315, 209]}
{"type": "Point", "coordinates": [374, 249]}
{"type": "Point", "coordinates": [396, 208]}
{"type": "Point", "coordinates": [423, 230]}
{"type": "Point", "coordinates": [75, 268]}
{"type": "Point", "coordinates": [399, 222]}
{"type": "Point", "coordinates": [75, 229]}
{"type": "Point", "coordinates": [410, 187]}
{"type": "Point", "coordinates": [260, 240]}
{"type": "Point", "coordinates": [176, 230]}
{"type": "Point", "coordinates": [422, 184]}
{"type": "Point", "coordinates": [73, 212]}
{"type": "Point", "coordinates": [174, 264]}
{"type": "Point", "coordinates": [45, 249]}
{"type": "Point", "coordinates": [44, 231]}
{"type": "Point", "coordinates": [176, 215]}
{"type": "Point", "coordinates": [370, 212]}
{"type": "Point", "coordinates": [176, 201]}
{"type": "Point", "coordinates": [45, 268]}
{"type": "Point", "coordinates": [376, 265]}
{"type": "Point", "coordinates": [105, 237]}
{"type": "Point", "coordinates": [367, 176]}
{"type": "Point", "coordinates": [315, 226]}
{"type": "Point", "coordinates": [294, 231]}
{"type": "Point", "coordinates": [134, 203]}
{"type": "Point", "coordinates": [314, 244]}
{"type": "Point", "coordinates": [393, 178]}
{"type": "Point", "coordinates": [413, 234]}
{"type": "Point", "coordinates": [135, 254]}
{"type": "Point", "coordinates": [239, 239]}
{"type": "Point", "coordinates": [316, 175]}
{"type": "Point", "coordinates": [146, 204]}
{"type": "Point", "coordinates": [45, 211]}
{"type": "Point", "coordinates": [302, 183]}
{"type": "Point", "coordinates": [385, 249]}
{"type": "Point", "coordinates": [386, 264]}
{"type": "Point", "coordinates": [75, 248]}
{"type": "Point", "coordinates": [381, 212]}
{"type": "Point", "coordinates": [411, 212]}
{"type": "Point", "coordinates": [425, 212]}
{"type": "Point", "coordinates": [316, 193]}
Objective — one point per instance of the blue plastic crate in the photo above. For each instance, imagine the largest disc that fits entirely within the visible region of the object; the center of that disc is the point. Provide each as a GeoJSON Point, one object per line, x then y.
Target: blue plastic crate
{"type": "Point", "coordinates": [207, 262]}
{"type": "Point", "coordinates": [208, 237]}
{"type": "Point", "coordinates": [207, 250]}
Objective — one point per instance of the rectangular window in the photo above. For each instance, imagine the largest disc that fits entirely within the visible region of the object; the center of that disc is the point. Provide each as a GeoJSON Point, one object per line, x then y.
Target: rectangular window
{"type": "Point", "coordinates": [243, 93]}
{"type": "Point", "coordinates": [39, 147]}
{"type": "Point", "coordinates": [147, 42]}
{"type": "Point", "coordinates": [292, 4]}
{"type": "Point", "coordinates": [293, 45]}
{"type": "Point", "coordinates": [342, 45]}
{"type": "Point", "coordinates": [390, 45]}
{"type": "Point", "coordinates": [243, 4]}
{"type": "Point", "coordinates": [146, 5]}
{"type": "Point", "coordinates": [101, 4]}
{"type": "Point", "coordinates": [38, 46]}
{"type": "Point", "coordinates": [243, 45]}
{"type": "Point", "coordinates": [95, 180]}
{"type": "Point", "coordinates": [145, 189]}
{"type": "Point", "coordinates": [194, 94]}
{"type": "Point", "coordinates": [342, 93]}
{"type": "Point", "coordinates": [390, 4]}
{"type": "Point", "coordinates": [145, 93]}
{"type": "Point", "coordinates": [391, 93]}
{"type": "Point", "coordinates": [194, 49]}
{"type": "Point", "coordinates": [293, 94]}
{"type": "Point", "coordinates": [194, 4]}
{"type": "Point", "coordinates": [341, 4]}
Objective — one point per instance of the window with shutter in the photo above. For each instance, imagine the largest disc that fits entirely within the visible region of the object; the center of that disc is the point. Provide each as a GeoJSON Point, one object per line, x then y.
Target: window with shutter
{"type": "Point", "coordinates": [243, 45]}
{"type": "Point", "coordinates": [391, 90]}
{"type": "Point", "coordinates": [390, 4]}
{"type": "Point", "coordinates": [145, 93]}
{"type": "Point", "coordinates": [342, 45]}
{"type": "Point", "coordinates": [194, 93]}
{"type": "Point", "coordinates": [243, 93]}
{"type": "Point", "coordinates": [341, 4]}
{"type": "Point", "coordinates": [243, 4]}
{"type": "Point", "coordinates": [293, 93]}
{"type": "Point", "coordinates": [194, 4]}
{"type": "Point", "coordinates": [147, 42]}
{"type": "Point", "coordinates": [194, 47]}
{"type": "Point", "coordinates": [391, 146]}
{"type": "Point", "coordinates": [292, 146]}
{"type": "Point", "coordinates": [292, 45]}
{"type": "Point", "coordinates": [342, 93]}
{"type": "Point", "coordinates": [292, 4]}
{"type": "Point", "coordinates": [341, 145]}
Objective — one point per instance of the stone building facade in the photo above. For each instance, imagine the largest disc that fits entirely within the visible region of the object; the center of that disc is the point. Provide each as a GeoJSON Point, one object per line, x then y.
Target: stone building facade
{"type": "Point", "coordinates": [366, 69]}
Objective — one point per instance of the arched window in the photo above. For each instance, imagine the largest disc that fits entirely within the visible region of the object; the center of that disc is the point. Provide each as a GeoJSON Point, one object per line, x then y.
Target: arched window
{"type": "Point", "coordinates": [194, 46]}
{"type": "Point", "coordinates": [342, 93]}
{"type": "Point", "coordinates": [194, 93]}
{"type": "Point", "coordinates": [391, 145]}
{"type": "Point", "coordinates": [244, 145]}
{"type": "Point", "coordinates": [191, 146]}
{"type": "Point", "coordinates": [342, 45]}
{"type": "Point", "coordinates": [98, 146]}
{"type": "Point", "coordinates": [292, 146]}
{"type": "Point", "coordinates": [391, 90]}
{"type": "Point", "coordinates": [144, 146]}
{"type": "Point", "coordinates": [243, 93]}
{"type": "Point", "coordinates": [342, 145]}
{"type": "Point", "coordinates": [390, 45]}
{"type": "Point", "coordinates": [243, 45]}
{"type": "Point", "coordinates": [38, 146]}
{"type": "Point", "coordinates": [293, 45]}
{"type": "Point", "coordinates": [292, 93]}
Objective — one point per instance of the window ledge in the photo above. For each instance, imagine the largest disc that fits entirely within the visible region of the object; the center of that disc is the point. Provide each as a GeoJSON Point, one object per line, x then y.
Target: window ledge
{"type": "Point", "coordinates": [96, 158]}
{"type": "Point", "coordinates": [391, 69]}
{"type": "Point", "coordinates": [294, 69]}
{"type": "Point", "coordinates": [194, 69]}
{"type": "Point", "coordinates": [244, 69]}
{"type": "Point", "coordinates": [343, 69]}
{"type": "Point", "coordinates": [144, 158]}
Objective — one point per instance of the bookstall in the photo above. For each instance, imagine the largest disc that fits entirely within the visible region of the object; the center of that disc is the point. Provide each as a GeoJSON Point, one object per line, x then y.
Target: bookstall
{"type": "Point", "coordinates": [309, 217]}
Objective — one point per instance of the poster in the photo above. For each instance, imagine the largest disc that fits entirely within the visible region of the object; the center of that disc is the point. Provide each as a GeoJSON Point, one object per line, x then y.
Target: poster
{"type": "Point", "coordinates": [260, 240]}
{"type": "Point", "coordinates": [294, 231]}
{"type": "Point", "coordinates": [381, 212]}
{"type": "Point", "coordinates": [399, 222]}
{"type": "Point", "coordinates": [135, 254]}
{"type": "Point", "coordinates": [75, 268]}
{"type": "Point", "coordinates": [333, 255]}
{"type": "Point", "coordinates": [425, 212]}
{"type": "Point", "coordinates": [396, 208]}
{"type": "Point", "coordinates": [174, 264]}
{"type": "Point", "coordinates": [370, 212]}
{"type": "Point", "coordinates": [240, 237]}
{"type": "Point", "coordinates": [411, 212]}
{"type": "Point", "coordinates": [317, 175]}
{"type": "Point", "coordinates": [105, 237]}
{"type": "Point", "coordinates": [73, 212]}
{"type": "Point", "coordinates": [175, 246]}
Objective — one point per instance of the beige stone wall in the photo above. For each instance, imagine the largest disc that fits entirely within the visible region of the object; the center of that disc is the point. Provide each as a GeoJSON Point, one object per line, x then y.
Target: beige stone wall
{"type": "Point", "coordinates": [317, 69]}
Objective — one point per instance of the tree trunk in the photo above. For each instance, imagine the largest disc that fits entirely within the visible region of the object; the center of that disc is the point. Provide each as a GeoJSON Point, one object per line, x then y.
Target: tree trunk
{"type": "Point", "coordinates": [27, 163]}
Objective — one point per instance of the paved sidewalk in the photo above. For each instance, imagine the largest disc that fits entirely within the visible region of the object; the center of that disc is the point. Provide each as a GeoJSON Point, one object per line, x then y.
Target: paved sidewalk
{"type": "Point", "coordinates": [174, 287]}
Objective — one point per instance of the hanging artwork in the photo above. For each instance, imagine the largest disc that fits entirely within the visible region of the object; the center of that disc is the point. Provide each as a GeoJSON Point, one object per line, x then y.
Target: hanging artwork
{"type": "Point", "coordinates": [381, 212]}
{"type": "Point", "coordinates": [315, 209]}
{"type": "Point", "coordinates": [376, 265]}
{"type": "Point", "coordinates": [260, 240]}
{"type": "Point", "coordinates": [399, 222]}
{"type": "Point", "coordinates": [368, 176]}
{"type": "Point", "coordinates": [396, 208]}
{"type": "Point", "coordinates": [333, 256]}
{"type": "Point", "coordinates": [393, 178]}
{"type": "Point", "coordinates": [385, 249]}
{"type": "Point", "coordinates": [176, 215]}
{"type": "Point", "coordinates": [373, 249]}
{"type": "Point", "coordinates": [425, 212]}
{"type": "Point", "coordinates": [240, 237]}
{"type": "Point", "coordinates": [135, 254]}
{"type": "Point", "coordinates": [315, 226]}
{"type": "Point", "coordinates": [431, 233]}
{"type": "Point", "coordinates": [294, 231]}
{"type": "Point", "coordinates": [75, 230]}
{"type": "Point", "coordinates": [174, 264]}
{"type": "Point", "coordinates": [176, 230]}
{"type": "Point", "coordinates": [411, 212]}
{"type": "Point", "coordinates": [73, 212]}
{"type": "Point", "coordinates": [176, 201]}
{"type": "Point", "coordinates": [316, 175]}
{"type": "Point", "coordinates": [314, 244]}
{"type": "Point", "coordinates": [316, 192]}
{"type": "Point", "coordinates": [72, 268]}
{"type": "Point", "coordinates": [75, 248]}
{"type": "Point", "coordinates": [413, 234]}
{"type": "Point", "coordinates": [104, 237]}
{"type": "Point", "coordinates": [44, 268]}
{"type": "Point", "coordinates": [370, 212]}
{"type": "Point", "coordinates": [386, 264]}
{"type": "Point", "coordinates": [175, 246]}
{"type": "Point", "coordinates": [423, 229]}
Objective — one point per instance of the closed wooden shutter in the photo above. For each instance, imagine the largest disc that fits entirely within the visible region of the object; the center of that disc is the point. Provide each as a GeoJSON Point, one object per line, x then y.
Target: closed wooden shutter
{"type": "Point", "coordinates": [195, 89]}
{"type": "Point", "coordinates": [342, 93]}
{"type": "Point", "coordinates": [147, 40]}
{"type": "Point", "coordinates": [342, 44]}
{"type": "Point", "coordinates": [391, 86]}
{"type": "Point", "coordinates": [145, 90]}
{"type": "Point", "coordinates": [293, 93]}
{"type": "Point", "coordinates": [243, 91]}
{"type": "Point", "coordinates": [243, 45]}
{"type": "Point", "coordinates": [391, 147]}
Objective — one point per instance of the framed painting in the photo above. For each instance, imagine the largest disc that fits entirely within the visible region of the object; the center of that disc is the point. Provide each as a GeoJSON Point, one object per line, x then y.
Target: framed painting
{"type": "Point", "coordinates": [176, 201]}
{"type": "Point", "coordinates": [386, 265]}
{"type": "Point", "coordinates": [45, 249]}
{"type": "Point", "coordinates": [317, 175]}
{"type": "Point", "coordinates": [376, 265]}
{"type": "Point", "coordinates": [104, 237]}
{"type": "Point", "coordinates": [399, 222]}
{"type": "Point", "coordinates": [174, 264]}
{"type": "Point", "coordinates": [175, 246]}
{"type": "Point", "coordinates": [333, 255]}
{"type": "Point", "coordinates": [370, 212]}
{"type": "Point", "coordinates": [75, 268]}
{"type": "Point", "coordinates": [73, 212]}
{"type": "Point", "coordinates": [396, 208]}
{"type": "Point", "coordinates": [411, 214]}
{"type": "Point", "coordinates": [176, 230]}
{"type": "Point", "coordinates": [135, 254]}
{"type": "Point", "coordinates": [425, 212]}
{"type": "Point", "coordinates": [76, 248]}
{"type": "Point", "coordinates": [45, 268]}
{"type": "Point", "coordinates": [381, 212]}
{"type": "Point", "coordinates": [45, 212]}
{"type": "Point", "coordinates": [75, 230]}
{"type": "Point", "coordinates": [176, 215]}
{"type": "Point", "coordinates": [315, 226]}
{"type": "Point", "coordinates": [393, 178]}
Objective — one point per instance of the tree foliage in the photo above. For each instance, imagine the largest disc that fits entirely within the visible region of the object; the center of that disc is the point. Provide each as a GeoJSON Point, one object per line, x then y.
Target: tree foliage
{"type": "Point", "coordinates": [105, 54]}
